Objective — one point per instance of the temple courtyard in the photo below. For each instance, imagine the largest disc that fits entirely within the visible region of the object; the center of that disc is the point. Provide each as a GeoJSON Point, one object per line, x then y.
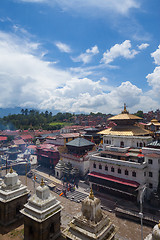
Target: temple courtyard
{"type": "Point", "coordinates": [127, 230]}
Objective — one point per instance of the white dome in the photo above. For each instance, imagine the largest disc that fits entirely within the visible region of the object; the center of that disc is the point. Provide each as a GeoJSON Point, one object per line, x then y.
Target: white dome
{"type": "Point", "coordinates": [156, 232]}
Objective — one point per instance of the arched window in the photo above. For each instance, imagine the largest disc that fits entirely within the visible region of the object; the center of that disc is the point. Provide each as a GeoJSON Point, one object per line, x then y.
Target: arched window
{"type": "Point", "coordinates": [137, 144]}
{"type": "Point", "coordinates": [126, 172]}
{"type": "Point", "coordinates": [94, 165]}
{"type": "Point", "coordinates": [140, 144]}
{"type": "Point", "coordinates": [52, 228]}
{"type": "Point", "coordinates": [100, 166]}
{"type": "Point", "coordinates": [122, 144]}
{"type": "Point", "coordinates": [112, 169]}
{"type": "Point", "coordinates": [18, 208]}
{"type": "Point", "coordinates": [106, 168]}
{"type": "Point", "coordinates": [134, 174]}
{"type": "Point", "coordinates": [119, 170]}
{"type": "Point", "coordinates": [31, 232]}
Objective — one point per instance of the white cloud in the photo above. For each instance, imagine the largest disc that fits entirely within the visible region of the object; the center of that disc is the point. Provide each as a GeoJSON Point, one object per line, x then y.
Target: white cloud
{"type": "Point", "coordinates": [156, 56]}
{"type": "Point", "coordinates": [24, 76]}
{"type": "Point", "coordinates": [26, 80]}
{"type": "Point", "coordinates": [119, 50]}
{"type": "Point", "coordinates": [154, 78]}
{"type": "Point", "coordinates": [93, 6]}
{"type": "Point", "coordinates": [85, 95]}
{"type": "Point", "coordinates": [87, 56]}
{"type": "Point", "coordinates": [143, 46]}
{"type": "Point", "coordinates": [63, 47]}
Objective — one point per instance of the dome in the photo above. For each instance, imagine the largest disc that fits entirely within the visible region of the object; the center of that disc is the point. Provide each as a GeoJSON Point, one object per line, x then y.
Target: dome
{"type": "Point", "coordinates": [156, 232]}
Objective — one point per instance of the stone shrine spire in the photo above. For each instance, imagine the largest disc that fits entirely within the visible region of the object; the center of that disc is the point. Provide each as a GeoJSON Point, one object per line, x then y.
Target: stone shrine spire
{"type": "Point", "coordinates": [13, 195]}
{"type": "Point", "coordinates": [91, 223]}
{"type": "Point", "coordinates": [42, 215]}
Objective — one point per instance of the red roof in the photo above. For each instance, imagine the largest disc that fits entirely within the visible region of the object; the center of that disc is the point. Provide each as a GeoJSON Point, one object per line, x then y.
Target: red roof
{"type": "Point", "coordinates": [27, 136]}
{"type": "Point", "coordinates": [19, 142]}
{"type": "Point", "coordinates": [3, 138]}
{"type": "Point", "coordinates": [69, 135]}
{"type": "Point", "coordinates": [32, 147]}
{"type": "Point", "coordinates": [46, 147]}
{"type": "Point", "coordinates": [115, 179]}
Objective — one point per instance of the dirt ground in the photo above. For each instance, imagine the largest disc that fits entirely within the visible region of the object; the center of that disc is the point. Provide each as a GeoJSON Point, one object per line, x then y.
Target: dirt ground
{"type": "Point", "coordinates": [127, 230]}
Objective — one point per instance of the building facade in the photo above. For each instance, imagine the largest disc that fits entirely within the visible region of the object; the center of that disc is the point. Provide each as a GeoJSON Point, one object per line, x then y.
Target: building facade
{"type": "Point", "coordinates": [126, 161]}
{"type": "Point", "coordinates": [47, 155]}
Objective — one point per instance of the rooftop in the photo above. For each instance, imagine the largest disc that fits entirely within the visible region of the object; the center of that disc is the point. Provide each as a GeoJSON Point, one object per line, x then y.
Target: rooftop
{"type": "Point", "coordinates": [79, 142]}
{"type": "Point", "coordinates": [125, 130]}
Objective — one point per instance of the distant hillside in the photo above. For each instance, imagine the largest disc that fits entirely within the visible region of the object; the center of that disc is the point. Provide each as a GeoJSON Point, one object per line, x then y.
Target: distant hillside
{"type": "Point", "coordinates": [7, 111]}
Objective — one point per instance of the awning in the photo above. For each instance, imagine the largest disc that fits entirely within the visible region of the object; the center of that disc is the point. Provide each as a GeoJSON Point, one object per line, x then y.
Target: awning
{"type": "Point", "coordinates": [115, 179]}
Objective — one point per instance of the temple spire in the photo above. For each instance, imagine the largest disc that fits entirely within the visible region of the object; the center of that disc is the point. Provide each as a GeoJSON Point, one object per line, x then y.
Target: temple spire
{"type": "Point", "coordinates": [42, 183]}
{"type": "Point", "coordinates": [11, 170]}
{"type": "Point", "coordinates": [91, 195]}
{"type": "Point", "coordinates": [125, 109]}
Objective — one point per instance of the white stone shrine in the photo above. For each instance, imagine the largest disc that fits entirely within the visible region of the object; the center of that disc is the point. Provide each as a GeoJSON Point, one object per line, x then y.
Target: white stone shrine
{"type": "Point", "coordinates": [91, 223]}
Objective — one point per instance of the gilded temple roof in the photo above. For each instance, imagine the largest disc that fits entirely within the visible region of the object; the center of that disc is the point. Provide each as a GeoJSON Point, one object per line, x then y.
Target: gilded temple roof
{"type": "Point", "coordinates": [127, 130]}
{"type": "Point", "coordinates": [124, 116]}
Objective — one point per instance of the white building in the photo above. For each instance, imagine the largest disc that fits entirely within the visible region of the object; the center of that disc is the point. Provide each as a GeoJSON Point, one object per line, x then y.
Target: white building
{"type": "Point", "coordinates": [126, 161]}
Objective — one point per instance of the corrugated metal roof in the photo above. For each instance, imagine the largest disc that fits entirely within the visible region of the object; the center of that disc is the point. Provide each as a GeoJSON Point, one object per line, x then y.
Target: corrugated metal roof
{"type": "Point", "coordinates": [80, 142]}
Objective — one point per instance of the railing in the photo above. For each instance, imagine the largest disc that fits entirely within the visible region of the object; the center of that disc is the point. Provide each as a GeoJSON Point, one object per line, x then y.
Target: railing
{"type": "Point", "coordinates": [98, 158]}
{"type": "Point", "coordinates": [72, 157]}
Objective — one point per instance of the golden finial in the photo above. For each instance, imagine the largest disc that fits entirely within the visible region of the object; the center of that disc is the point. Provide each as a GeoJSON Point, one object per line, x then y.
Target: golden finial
{"type": "Point", "coordinates": [91, 195]}
{"type": "Point", "coordinates": [42, 183]}
{"type": "Point", "coordinates": [11, 170]}
{"type": "Point", "coordinates": [125, 109]}
{"type": "Point", "coordinates": [159, 224]}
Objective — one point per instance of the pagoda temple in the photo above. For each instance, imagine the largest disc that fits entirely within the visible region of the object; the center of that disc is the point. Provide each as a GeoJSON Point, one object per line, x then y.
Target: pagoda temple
{"type": "Point", "coordinates": [125, 163]}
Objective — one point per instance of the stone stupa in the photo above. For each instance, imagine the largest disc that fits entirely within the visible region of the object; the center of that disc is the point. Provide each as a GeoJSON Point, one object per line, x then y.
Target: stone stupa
{"type": "Point", "coordinates": [155, 235]}
{"type": "Point", "coordinates": [13, 196]}
{"type": "Point", "coordinates": [42, 215]}
{"type": "Point", "coordinates": [91, 223]}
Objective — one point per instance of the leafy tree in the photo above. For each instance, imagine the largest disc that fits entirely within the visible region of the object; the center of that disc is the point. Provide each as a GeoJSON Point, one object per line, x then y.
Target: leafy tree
{"type": "Point", "coordinates": [139, 114]}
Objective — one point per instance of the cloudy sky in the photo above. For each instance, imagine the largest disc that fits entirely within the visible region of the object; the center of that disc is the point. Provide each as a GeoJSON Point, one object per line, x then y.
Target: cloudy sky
{"type": "Point", "coordinates": [80, 55]}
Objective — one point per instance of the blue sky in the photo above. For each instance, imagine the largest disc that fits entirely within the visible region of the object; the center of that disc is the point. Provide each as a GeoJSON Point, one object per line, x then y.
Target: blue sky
{"type": "Point", "coordinates": [80, 55]}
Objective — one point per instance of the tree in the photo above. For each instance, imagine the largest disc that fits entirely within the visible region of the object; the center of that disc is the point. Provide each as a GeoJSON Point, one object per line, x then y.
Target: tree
{"type": "Point", "coordinates": [139, 113]}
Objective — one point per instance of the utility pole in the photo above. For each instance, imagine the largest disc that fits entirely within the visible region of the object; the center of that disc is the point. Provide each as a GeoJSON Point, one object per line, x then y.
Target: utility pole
{"type": "Point", "coordinates": [141, 190]}
{"type": "Point", "coordinates": [6, 163]}
{"type": "Point", "coordinates": [26, 173]}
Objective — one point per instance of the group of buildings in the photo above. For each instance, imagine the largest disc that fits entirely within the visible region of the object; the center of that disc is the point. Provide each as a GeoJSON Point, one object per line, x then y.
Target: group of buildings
{"type": "Point", "coordinates": [118, 159]}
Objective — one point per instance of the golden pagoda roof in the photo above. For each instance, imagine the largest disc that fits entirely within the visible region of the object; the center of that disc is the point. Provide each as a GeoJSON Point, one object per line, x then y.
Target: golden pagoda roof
{"type": "Point", "coordinates": [124, 115]}
{"type": "Point", "coordinates": [154, 120]}
{"type": "Point", "coordinates": [127, 130]}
